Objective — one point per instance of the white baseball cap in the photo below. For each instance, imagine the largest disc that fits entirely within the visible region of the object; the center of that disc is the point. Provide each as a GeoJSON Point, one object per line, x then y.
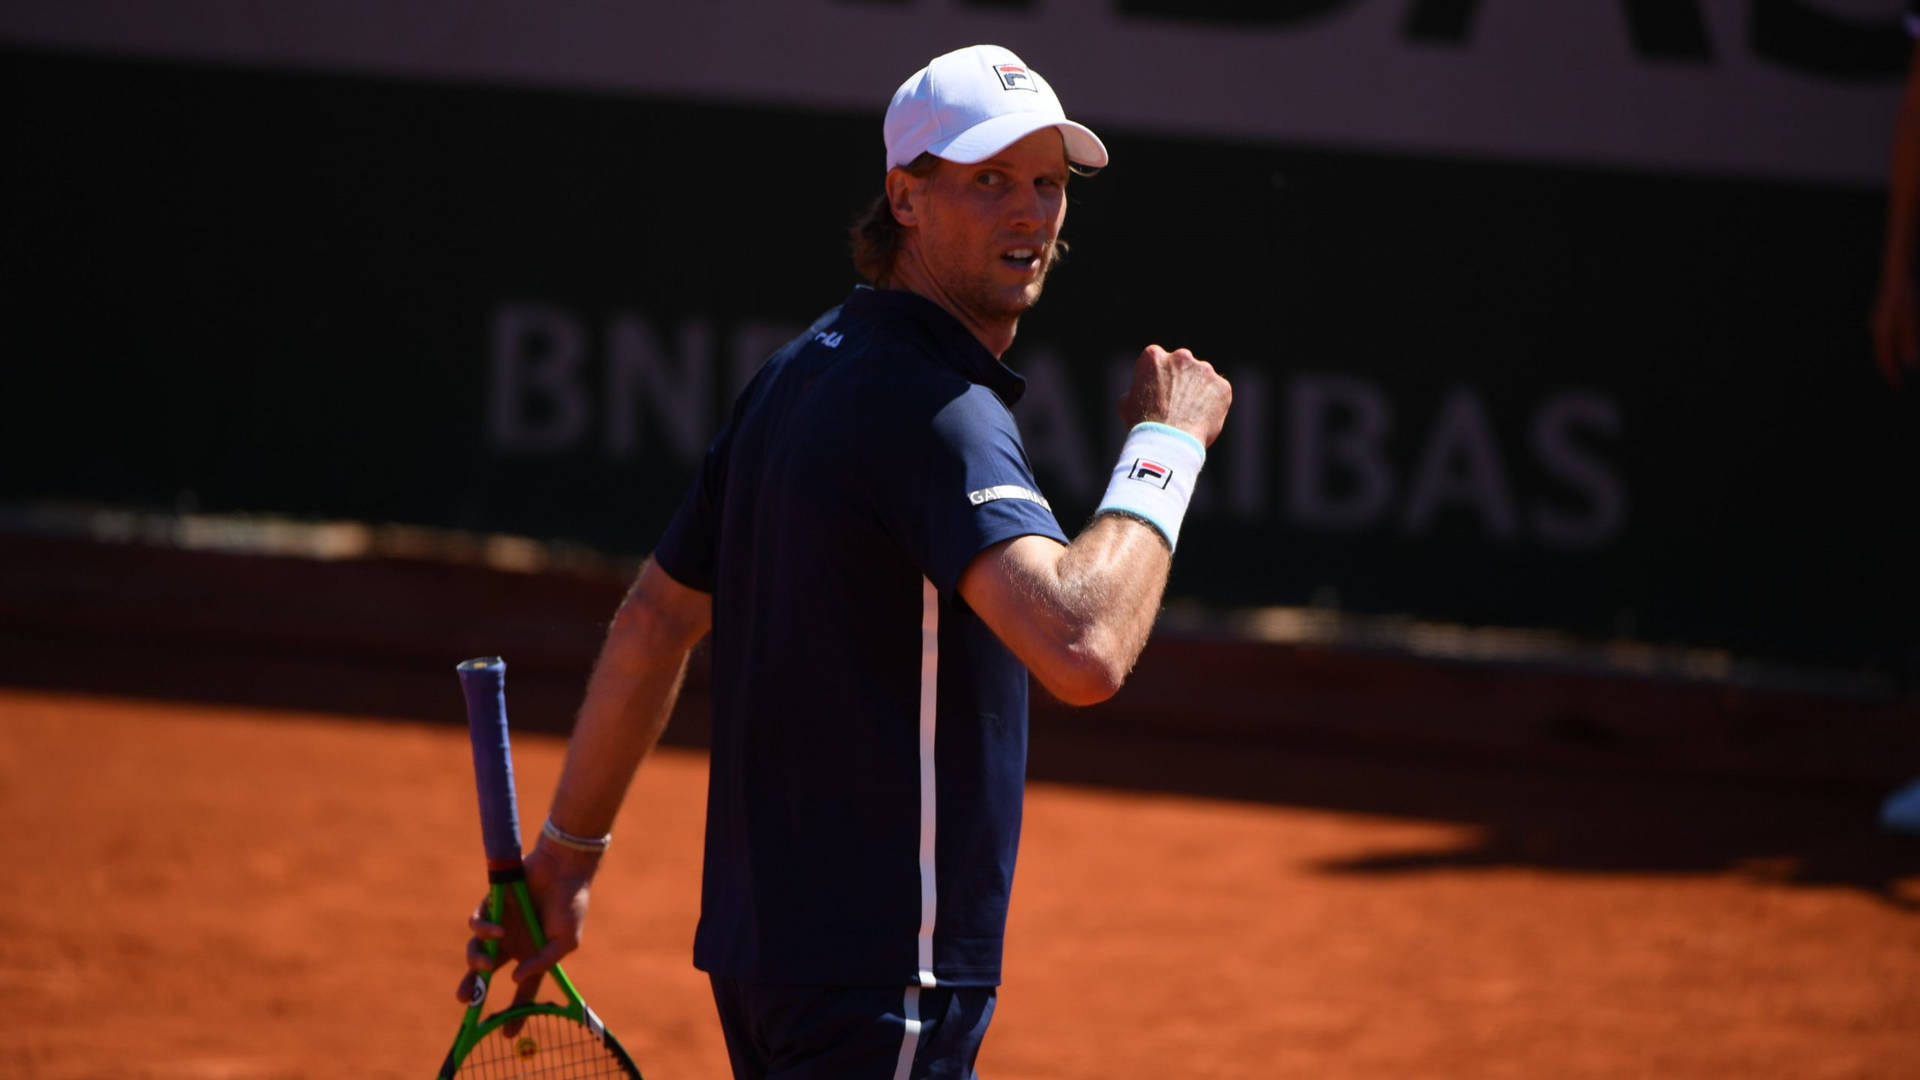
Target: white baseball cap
{"type": "Point", "coordinates": [971, 103]}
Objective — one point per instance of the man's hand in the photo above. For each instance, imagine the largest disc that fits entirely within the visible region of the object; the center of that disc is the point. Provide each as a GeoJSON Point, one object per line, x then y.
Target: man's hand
{"type": "Point", "coordinates": [629, 697]}
{"type": "Point", "coordinates": [559, 882]}
{"type": "Point", "coordinates": [1177, 389]}
{"type": "Point", "coordinates": [1896, 341]}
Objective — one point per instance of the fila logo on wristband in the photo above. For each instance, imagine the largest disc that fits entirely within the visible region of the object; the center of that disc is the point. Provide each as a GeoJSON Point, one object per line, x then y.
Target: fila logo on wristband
{"type": "Point", "coordinates": [1153, 478]}
{"type": "Point", "coordinates": [1150, 472]}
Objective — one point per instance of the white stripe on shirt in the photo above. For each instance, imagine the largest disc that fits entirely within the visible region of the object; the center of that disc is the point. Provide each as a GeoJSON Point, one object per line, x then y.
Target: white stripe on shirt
{"type": "Point", "coordinates": [929, 699]}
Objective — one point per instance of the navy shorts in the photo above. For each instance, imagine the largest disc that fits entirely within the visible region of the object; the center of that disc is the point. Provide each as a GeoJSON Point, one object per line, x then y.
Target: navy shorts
{"type": "Point", "coordinates": [776, 1032]}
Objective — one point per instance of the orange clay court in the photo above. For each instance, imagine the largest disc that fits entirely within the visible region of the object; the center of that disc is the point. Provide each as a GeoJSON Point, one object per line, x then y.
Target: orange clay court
{"type": "Point", "coordinates": [213, 892]}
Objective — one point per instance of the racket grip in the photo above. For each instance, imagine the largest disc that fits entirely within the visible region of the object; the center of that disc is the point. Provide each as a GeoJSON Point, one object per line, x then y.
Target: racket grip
{"type": "Point", "coordinates": [484, 682]}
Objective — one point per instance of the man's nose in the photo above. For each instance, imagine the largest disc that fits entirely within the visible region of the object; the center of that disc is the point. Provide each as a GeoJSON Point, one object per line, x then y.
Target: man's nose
{"type": "Point", "coordinates": [1025, 209]}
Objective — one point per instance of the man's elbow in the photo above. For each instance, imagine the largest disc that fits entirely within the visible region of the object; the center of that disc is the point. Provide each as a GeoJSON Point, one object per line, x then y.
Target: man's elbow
{"type": "Point", "coordinates": [651, 628]}
{"type": "Point", "coordinates": [659, 617]}
{"type": "Point", "coordinates": [1085, 676]}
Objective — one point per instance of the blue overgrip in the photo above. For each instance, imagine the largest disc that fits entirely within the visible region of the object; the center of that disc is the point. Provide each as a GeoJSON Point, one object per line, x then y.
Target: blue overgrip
{"type": "Point", "coordinates": [484, 682]}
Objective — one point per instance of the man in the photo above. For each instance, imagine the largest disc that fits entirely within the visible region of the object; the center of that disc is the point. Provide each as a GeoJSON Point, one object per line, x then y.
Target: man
{"type": "Point", "coordinates": [1896, 312]}
{"type": "Point", "coordinates": [880, 573]}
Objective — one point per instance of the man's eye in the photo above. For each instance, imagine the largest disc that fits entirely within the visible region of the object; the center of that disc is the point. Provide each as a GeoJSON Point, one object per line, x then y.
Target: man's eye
{"type": "Point", "coordinates": [992, 179]}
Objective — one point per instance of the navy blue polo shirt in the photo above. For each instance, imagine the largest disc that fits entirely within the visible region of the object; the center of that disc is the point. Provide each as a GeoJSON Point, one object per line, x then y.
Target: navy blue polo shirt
{"type": "Point", "coordinates": [869, 731]}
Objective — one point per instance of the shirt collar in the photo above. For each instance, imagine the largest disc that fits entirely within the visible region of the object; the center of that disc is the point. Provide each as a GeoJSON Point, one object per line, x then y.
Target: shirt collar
{"type": "Point", "coordinates": [952, 342]}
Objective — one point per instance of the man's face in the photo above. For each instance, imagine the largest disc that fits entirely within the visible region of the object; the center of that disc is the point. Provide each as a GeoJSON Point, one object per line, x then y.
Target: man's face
{"type": "Point", "coordinates": [985, 233]}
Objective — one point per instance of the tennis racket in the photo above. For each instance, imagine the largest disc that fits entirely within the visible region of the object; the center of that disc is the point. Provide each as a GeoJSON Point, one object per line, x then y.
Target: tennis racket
{"type": "Point", "coordinates": [537, 1039]}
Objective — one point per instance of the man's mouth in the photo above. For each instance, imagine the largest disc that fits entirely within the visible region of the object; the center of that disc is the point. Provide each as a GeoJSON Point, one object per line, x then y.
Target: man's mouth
{"type": "Point", "coordinates": [1024, 258]}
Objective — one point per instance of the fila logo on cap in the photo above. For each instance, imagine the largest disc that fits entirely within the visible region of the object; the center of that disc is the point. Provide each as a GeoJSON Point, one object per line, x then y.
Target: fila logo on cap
{"type": "Point", "coordinates": [1014, 77]}
{"type": "Point", "coordinates": [1150, 472]}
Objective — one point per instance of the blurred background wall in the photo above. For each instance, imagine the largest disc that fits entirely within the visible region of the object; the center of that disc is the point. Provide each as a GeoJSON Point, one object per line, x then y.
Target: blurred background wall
{"type": "Point", "coordinates": [1547, 316]}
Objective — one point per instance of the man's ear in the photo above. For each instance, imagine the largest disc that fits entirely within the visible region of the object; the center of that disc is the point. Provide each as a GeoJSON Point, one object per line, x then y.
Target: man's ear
{"type": "Point", "coordinates": [904, 192]}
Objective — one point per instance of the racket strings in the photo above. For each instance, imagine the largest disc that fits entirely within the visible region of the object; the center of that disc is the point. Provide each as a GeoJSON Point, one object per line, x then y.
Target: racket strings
{"type": "Point", "coordinates": [547, 1047]}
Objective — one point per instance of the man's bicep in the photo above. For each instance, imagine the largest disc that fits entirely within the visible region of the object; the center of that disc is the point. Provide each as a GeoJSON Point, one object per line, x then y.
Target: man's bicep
{"type": "Point", "coordinates": [1010, 586]}
{"type": "Point", "coordinates": [677, 613]}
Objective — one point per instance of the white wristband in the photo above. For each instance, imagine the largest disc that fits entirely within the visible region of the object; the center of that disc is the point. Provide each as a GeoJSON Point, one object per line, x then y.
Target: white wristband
{"type": "Point", "coordinates": [1153, 480]}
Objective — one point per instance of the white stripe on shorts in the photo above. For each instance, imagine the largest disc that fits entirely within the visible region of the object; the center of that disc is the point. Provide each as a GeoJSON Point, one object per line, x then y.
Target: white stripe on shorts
{"type": "Point", "coordinates": [911, 1040]}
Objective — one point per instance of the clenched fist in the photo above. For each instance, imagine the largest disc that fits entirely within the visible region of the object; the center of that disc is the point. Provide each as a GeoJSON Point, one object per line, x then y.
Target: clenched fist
{"type": "Point", "coordinates": [1180, 390]}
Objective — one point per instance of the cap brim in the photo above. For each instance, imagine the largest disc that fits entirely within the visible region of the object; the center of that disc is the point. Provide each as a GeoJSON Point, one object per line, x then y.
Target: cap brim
{"type": "Point", "coordinates": [989, 137]}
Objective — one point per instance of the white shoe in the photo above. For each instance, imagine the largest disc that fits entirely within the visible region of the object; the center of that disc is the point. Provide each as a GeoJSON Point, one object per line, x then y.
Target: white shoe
{"type": "Point", "coordinates": [1901, 811]}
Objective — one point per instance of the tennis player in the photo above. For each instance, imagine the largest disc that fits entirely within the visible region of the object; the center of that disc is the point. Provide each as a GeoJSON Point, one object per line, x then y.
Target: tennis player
{"type": "Point", "coordinates": [880, 572]}
{"type": "Point", "coordinates": [1896, 309]}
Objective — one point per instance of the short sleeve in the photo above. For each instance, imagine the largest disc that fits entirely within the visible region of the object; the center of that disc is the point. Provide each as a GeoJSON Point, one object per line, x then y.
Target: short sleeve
{"type": "Point", "coordinates": [970, 488]}
{"type": "Point", "coordinates": [688, 550]}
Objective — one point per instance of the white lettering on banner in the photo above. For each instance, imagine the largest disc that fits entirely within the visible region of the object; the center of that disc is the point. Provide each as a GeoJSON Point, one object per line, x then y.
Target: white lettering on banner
{"type": "Point", "coordinates": [1050, 422]}
{"type": "Point", "coordinates": [679, 393]}
{"type": "Point", "coordinates": [752, 343]}
{"type": "Point", "coordinates": [1461, 466]}
{"type": "Point", "coordinates": [1316, 439]}
{"type": "Point", "coordinates": [1790, 88]}
{"type": "Point", "coordinates": [1248, 480]}
{"type": "Point", "coordinates": [535, 401]}
{"type": "Point", "coordinates": [1551, 439]}
{"type": "Point", "coordinates": [1341, 449]}
{"type": "Point", "coordinates": [1339, 427]}
{"type": "Point", "coordinates": [539, 401]}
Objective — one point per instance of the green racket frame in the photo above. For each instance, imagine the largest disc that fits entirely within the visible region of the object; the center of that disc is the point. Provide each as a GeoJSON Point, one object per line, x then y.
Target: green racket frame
{"type": "Point", "coordinates": [473, 1027]}
{"type": "Point", "coordinates": [483, 682]}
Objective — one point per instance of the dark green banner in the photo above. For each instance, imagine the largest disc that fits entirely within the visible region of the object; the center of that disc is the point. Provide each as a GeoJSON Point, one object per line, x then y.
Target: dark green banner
{"type": "Point", "coordinates": [1607, 402]}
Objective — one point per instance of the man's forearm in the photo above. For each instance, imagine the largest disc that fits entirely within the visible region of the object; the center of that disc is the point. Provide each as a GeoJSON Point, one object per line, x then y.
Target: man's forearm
{"type": "Point", "coordinates": [630, 696]}
{"type": "Point", "coordinates": [1077, 615]}
{"type": "Point", "coordinates": [1903, 181]}
{"type": "Point", "coordinates": [1113, 575]}
{"type": "Point", "coordinates": [1903, 199]}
